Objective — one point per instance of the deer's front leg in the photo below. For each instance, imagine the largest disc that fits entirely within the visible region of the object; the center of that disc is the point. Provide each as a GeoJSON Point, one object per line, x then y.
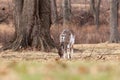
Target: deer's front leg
{"type": "Point", "coordinates": [68, 52]}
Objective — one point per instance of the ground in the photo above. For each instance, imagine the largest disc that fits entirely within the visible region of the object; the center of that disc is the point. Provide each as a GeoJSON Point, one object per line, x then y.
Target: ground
{"type": "Point", "coordinates": [89, 62]}
{"type": "Point", "coordinates": [101, 51]}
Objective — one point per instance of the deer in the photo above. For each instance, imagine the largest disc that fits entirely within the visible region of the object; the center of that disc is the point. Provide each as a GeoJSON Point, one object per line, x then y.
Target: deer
{"type": "Point", "coordinates": [67, 40]}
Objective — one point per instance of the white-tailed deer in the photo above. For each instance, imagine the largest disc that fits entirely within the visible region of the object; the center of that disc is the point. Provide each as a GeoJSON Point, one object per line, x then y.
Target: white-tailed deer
{"type": "Point", "coordinates": [67, 39]}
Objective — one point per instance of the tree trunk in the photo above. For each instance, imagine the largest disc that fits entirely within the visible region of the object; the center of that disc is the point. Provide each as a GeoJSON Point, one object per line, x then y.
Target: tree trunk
{"type": "Point", "coordinates": [114, 34]}
{"type": "Point", "coordinates": [92, 6]}
{"type": "Point", "coordinates": [95, 10]}
{"type": "Point", "coordinates": [54, 11]}
{"type": "Point", "coordinates": [66, 12]}
{"type": "Point", "coordinates": [32, 25]}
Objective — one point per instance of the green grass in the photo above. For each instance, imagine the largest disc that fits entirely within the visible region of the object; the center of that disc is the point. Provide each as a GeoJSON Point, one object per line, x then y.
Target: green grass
{"type": "Point", "coordinates": [65, 70]}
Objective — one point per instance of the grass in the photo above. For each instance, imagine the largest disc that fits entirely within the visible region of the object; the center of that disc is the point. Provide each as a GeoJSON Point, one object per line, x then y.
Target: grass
{"type": "Point", "coordinates": [85, 34]}
{"type": "Point", "coordinates": [35, 65]}
{"type": "Point", "coordinates": [62, 70]}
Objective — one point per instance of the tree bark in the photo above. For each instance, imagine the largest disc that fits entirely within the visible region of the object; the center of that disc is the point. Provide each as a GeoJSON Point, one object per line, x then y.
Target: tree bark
{"type": "Point", "coordinates": [95, 10]}
{"type": "Point", "coordinates": [32, 25]}
{"type": "Point", "coordinates": [114, 34]}
{"type": "Point", "coordinates": [54, 11]}
{"type": "Point", "coordinates": [66, 12]}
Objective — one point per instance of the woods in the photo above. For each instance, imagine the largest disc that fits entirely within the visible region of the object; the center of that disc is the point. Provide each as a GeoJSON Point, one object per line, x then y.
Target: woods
{"type": "Point", "coordinates": [59, 39]}
{"type": "Point", "coordinates": [33, 20]}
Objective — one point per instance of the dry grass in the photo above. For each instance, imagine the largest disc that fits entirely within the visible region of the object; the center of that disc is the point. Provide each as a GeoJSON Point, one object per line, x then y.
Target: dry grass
{"type": "Point", "coordinates": [85, 34]}
{"type": "Point", "coordinates": [103, 51]}
{"type": "Point", "coordinates": [86, 64]}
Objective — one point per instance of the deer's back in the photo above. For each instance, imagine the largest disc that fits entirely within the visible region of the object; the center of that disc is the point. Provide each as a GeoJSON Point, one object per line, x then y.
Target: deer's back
{"type": "Point", "coordinates": [66, 36]}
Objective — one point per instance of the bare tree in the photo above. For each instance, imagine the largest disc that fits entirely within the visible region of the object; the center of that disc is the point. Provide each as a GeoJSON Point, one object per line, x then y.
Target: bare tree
{"type": "Point", "coordinates": [114, 34]}
{"type": "Point", "coordinates": [66, 11]}
{"type": "Point", "coordinates": [32, 25]}
{"type": "Point", "coordinates": [54, 11]}
{"type": "Point", "coordinates": [95, 10]}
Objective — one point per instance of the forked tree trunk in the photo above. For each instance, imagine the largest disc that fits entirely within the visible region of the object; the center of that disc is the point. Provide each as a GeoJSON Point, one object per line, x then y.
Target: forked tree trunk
{"type": "Point", "coordinates": [32, 24]}
{"type": "Point", "coordinates": [114, 34]}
